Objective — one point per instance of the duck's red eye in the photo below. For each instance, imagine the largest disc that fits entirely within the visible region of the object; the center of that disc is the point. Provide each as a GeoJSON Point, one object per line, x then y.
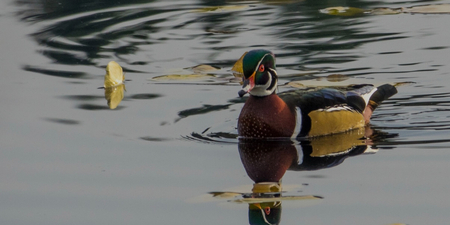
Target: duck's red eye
{"type": "Point", "coordinates": [261, 68]}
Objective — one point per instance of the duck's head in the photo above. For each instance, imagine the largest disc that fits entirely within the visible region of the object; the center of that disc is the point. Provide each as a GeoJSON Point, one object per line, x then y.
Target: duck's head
{"type": "Point", "coordinates": [260, 77]}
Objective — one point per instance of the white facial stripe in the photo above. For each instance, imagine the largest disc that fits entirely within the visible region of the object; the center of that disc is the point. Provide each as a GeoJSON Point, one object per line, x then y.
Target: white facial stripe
{"type": "Point", "coordinates": [366, 92]}
{"type": "Point", "coordinates": [367, 96]}
{"type": "Point", "coordinates": [275, 86]}
{"type": "Point", "coordinates": [261, 90]}
{"type": "Point", "coordinates": [298, 122]}
{"type": "Point", "coordinates": [257, 65]}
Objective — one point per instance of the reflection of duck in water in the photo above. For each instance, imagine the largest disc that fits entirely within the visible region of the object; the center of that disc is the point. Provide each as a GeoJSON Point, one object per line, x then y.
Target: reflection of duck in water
{"type": "Point", "coordinates": [266, 161]}
{"type": "Point", "coordinates": [300, 113]}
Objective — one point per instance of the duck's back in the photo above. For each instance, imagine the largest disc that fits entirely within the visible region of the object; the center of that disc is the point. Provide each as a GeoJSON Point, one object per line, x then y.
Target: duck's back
{"type": "Point", "coordinates": [326, 111]}
{"type": "Point", "coordinates": [300, 113]}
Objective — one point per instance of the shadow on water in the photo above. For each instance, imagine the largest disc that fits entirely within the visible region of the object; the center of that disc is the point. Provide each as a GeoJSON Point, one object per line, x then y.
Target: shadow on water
{"type": "Point", "coordinates": [266, 162]}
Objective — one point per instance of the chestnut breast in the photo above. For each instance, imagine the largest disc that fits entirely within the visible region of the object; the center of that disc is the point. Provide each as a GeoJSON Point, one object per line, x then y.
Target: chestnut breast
{"type": "Point", "coordinates": [267, 116]}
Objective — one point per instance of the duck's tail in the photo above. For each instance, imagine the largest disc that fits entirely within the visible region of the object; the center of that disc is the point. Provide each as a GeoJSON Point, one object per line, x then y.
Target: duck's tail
{"type": "Point", "coordinates": [382, 93]}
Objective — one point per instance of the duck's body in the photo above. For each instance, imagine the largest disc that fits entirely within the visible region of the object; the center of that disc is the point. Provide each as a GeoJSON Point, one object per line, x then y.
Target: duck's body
{"type": "Point", "coordinates": [300, 113]}
{"type": "Point", "coordinates": [266, 117]}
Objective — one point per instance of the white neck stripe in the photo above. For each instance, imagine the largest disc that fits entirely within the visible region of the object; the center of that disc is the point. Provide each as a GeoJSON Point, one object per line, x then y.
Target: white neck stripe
{"type": "Point", "coordinates": [298, 122]}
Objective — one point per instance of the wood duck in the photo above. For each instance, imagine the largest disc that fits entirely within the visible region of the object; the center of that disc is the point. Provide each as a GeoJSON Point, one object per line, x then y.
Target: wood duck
{"type": "Point", "coordinates": [300, 113]}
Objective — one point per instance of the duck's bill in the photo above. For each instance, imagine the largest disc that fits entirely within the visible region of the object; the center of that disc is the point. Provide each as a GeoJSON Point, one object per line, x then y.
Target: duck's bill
{"type": "Point", "coordinates": [248, 85]}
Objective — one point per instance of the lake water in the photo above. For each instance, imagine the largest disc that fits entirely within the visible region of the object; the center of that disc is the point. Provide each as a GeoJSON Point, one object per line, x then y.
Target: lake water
{"type": "Point", "coordinates": [168, 154]}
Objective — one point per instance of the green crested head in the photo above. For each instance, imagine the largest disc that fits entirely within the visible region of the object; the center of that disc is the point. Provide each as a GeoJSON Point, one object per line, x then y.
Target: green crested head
{"type": "Point", "coordinates": [260, 77]}
{"type": "Point", "coordinates": [254, 58]}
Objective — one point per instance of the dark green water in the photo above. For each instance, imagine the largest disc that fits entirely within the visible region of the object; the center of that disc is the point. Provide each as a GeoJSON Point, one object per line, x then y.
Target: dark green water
{"type": "Point", "coordinates": [66, 158]}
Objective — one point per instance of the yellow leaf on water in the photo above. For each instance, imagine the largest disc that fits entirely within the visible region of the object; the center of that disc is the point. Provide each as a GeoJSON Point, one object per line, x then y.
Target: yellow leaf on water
{"type": "Point", "coordinates": [114, 95]}
{"type": "Point", "coordinates": [203, 68]}
{"type": "Point", "coordinates": [182, 77]}
{"type": "Point", "coordinates": [343, 11]}
{"type": "Point", "coordinates": [276, 199]}
{"type": "Point", "coordinates": [423, 9]}
{"type": "Point", "coordinates": [384, 11]}
{"type": "Point", "coordinates": [437, 9]}
{"type": "Point", "coordinates": [114, 75]}
{"type": "Point", "coordinates": [296, 84]}
{"type": "Point", "coordinates": [398, 84]}
{"type": "Point", "coordinates": [237, 69]}
{"type": "Point", "coordinates": [336, 77]}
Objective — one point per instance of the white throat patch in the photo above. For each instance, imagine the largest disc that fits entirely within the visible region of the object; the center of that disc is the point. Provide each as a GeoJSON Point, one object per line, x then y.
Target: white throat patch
{"type": "Point", "coordinates": [262, 90]}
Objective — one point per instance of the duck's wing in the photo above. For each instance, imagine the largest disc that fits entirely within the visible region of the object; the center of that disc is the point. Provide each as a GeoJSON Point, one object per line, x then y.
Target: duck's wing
{"type": "Point", "coordinates": [326, 111]}
{"type": "Point", "coordinates": [358, 97]}
{"type": "Point", "coordinates": [328, 99]}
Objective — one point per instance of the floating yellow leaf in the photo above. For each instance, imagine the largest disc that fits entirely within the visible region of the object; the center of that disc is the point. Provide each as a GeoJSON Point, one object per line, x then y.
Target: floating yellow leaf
{"type": "Point", "coordinates": [398, 84]}
{"type": "Point", "coordinates": [237, 69]}
{"type": "Point", "coordinates": [296, 84]}
{"type": "Point", "coordinates": [203, 68]}
{"type": "Point", "coordinates": [384, 11]}
{"type": "Point", "coordinates": [424, 9]}
{"type": "Point", "coordinates": [114, 95]}
{"type": "Point", "coordinates": [264, 187]}
{"type": "Point", "coordinates": [437, 9]}
{"type": "Point", "coordinates": [222, 8]}
{"type": "Point", "coordinates": [190, 73]}
{"type": "Point", "coordinates": [182, 77]}
{"type": "Point", "coordinates": [343, 11]}
{"type": "Point", "coordinates": [114, 75]}
{"type": "Point", "coordinates": [276, 199]}
{"type": "Point", "coordinates": [336, 77]}
{"type": "Point", "coordinates": [225, 194]}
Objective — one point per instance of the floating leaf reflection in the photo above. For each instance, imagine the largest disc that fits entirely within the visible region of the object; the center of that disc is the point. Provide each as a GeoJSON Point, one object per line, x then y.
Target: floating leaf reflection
{"type": "Point", "coordinates": [114, 95]}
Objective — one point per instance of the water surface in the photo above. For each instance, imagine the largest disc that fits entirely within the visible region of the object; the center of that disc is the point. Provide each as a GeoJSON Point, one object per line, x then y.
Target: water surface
{"type": "Point", "coordinates": [170, 143]}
